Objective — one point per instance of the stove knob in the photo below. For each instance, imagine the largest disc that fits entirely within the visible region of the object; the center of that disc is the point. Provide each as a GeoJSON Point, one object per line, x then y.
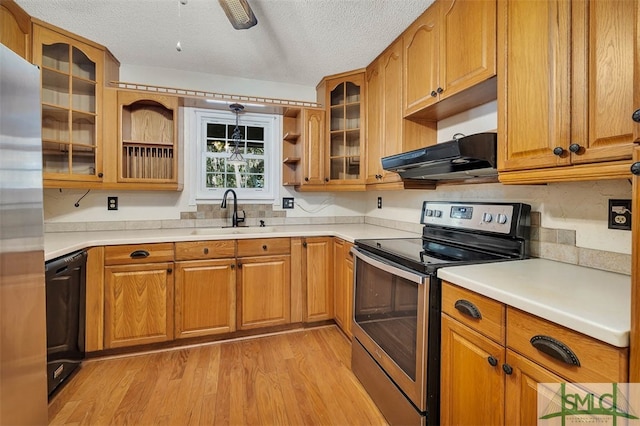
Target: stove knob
{"type": "Point", "coordinates": [429, 212]}
{"type": "Point", "coordinates": [438, 213]}
{"type": "Point", "coordinates": [501, 219]}
{"type": "Point", "coordinates": [487, 217]}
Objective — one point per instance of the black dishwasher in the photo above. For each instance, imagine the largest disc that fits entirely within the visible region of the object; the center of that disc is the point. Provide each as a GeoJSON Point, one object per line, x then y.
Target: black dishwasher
{"type": "Point", "coordinates": [65, 288]}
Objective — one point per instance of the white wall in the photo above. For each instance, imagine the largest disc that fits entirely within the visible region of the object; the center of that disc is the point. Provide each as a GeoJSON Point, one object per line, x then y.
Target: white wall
{"type": "Point", "coordinates": [215, 83]}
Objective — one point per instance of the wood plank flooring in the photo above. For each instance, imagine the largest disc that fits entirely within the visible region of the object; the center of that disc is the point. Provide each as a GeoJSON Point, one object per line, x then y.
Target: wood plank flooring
{"type": "Point", "coordinates": [293, 378]}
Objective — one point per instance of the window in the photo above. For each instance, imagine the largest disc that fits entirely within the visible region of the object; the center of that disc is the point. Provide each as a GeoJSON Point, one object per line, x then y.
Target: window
{"type": "Point", "coordinates": [254, 180]}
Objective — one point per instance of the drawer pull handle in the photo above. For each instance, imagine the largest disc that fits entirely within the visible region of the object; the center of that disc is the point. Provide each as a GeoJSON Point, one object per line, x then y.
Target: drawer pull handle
{"type": "Point", "coordinates": [555, 349]}
{"type": "Point", "coordinates": [264, 247]}
{"type": "Point", "coordinates": [139, 254]}
{"type": "Point", "coordinates": [206, 250]}
{"type": "Point", "coordinates": [467, 308]}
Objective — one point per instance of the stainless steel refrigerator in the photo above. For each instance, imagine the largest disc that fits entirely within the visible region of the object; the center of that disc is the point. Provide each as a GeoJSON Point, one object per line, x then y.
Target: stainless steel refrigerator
{"type": "Point", "coordinates": [23, 344]}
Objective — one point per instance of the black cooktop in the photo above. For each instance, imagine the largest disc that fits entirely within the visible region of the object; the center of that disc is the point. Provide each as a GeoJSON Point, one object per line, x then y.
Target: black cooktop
{"type": "Point", "coordinates": [423, 255]}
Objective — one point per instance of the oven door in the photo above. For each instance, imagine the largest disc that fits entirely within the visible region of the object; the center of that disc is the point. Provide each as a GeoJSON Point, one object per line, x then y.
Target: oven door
{"type": "Point", "coordinates": [391, 321]}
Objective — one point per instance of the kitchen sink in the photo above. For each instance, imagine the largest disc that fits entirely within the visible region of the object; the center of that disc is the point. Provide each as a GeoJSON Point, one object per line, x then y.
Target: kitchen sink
{"type": "Point", "coordinates": [231, 231]}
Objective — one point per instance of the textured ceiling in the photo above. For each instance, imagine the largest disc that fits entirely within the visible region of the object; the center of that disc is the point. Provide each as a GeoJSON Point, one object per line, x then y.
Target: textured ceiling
{"type": "Point", "coordinates": [295, 41]}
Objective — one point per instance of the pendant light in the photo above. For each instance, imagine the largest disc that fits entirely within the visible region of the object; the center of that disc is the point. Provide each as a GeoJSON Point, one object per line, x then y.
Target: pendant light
{"type": "Point", "coordinates": [239, 13]}
{"type": "Point", "coordinates": [236, 159]}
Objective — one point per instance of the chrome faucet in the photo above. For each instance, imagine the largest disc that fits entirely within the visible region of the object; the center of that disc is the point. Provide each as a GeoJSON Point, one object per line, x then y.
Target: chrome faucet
{"type": "Point", "coordinates": [234, 219]}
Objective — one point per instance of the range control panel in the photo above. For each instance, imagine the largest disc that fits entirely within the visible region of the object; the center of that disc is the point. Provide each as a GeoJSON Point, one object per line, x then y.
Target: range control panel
{"type": "Point", "coordinates": [501, 218]}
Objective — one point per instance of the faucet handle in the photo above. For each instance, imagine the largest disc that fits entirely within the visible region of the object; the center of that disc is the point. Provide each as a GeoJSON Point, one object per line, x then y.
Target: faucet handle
{"type": "Point", "coordinates": [241, 218]}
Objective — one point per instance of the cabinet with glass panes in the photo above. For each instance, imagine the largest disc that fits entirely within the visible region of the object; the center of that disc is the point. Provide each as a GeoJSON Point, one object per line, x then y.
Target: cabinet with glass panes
{"type": "Point", "coordinates": [344, 102]}
{"type": "Point", "coordinates": [72, 78]}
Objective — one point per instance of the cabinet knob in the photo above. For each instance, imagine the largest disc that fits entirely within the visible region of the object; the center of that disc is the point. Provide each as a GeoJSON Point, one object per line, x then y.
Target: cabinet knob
{"type": "Point", "coordinates": [206, 250]}
{"type": "Point", "coordinates": [326, 179]}
{"type": "Point", "coordinates": [434, 93]}
{"type": "Point", "coordinates": [239, 265]}
{"type": "Point", "coordinates": [169, 270]}
{"type": "Point", "coordinates": [306, 179]}
{"type": "Point", "coordinates": [439, 90]}
{"type": "Point", "coordinates": [492, 361]}
{"type": "Point", "coordinates": [574, 147]}
{"type": "Point", "coordinates": [635, 168]}
{"type": "Point", "coordinates": [507, 369]}
{"type": "Point", "coordinates": [264, 247]}
{"type": "Point", "coordinates": [304, 244]}
{"type": "Point", "coordinates": [101, 174]}
{"type": "Point", "coordinates": [558, 150]}
{"type": "Point", "coordinates": [233, 266]}
{"type": "Point", "coordinates": [636, 116]}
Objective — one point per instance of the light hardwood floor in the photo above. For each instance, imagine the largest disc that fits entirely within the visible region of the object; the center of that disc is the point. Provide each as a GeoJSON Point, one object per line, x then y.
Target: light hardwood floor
{"type": "Point", "coordinates": [295, 378]}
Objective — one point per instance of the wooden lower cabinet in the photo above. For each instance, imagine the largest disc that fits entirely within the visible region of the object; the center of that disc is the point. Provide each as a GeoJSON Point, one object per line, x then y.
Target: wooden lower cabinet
{"type": "Point", "coordinates": [521, 392]}
{"type": "Point", "coordinates": [493, 380]}
{"type": "Point", "coordinates": [343, 285]}
{"type": "Point", "coordinates": [318, 255]}
{"type": "Point", "coordinates": [138, 304]}
{"type": "Point", "coordinates": [205, 297]}
{"type": "Point", "coordinates": [472, 388]}
{"type": "Point", "coordinates": [264, 291]}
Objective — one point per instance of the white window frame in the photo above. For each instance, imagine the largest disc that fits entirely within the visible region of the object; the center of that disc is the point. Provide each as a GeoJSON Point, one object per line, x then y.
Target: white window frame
{"type": "Point", "coordinates": [272, 124]}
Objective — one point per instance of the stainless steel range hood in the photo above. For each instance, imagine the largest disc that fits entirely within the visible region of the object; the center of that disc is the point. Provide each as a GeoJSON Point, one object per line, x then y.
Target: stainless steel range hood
{"type": "Point", "coordinates": [467, 157]}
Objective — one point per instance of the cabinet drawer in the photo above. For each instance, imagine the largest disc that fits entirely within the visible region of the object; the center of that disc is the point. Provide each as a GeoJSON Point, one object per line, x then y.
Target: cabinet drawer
{"type": "Point", "coordinates": [264, 246]}
{"type": "Point", "coordinates": [598, 361]}
{"type": "Point", "coordinates": [195, 250]}
{"type": "Point", "coordinates": [478, 312]}
{"type": "Point", "coordinates": [138, 253]}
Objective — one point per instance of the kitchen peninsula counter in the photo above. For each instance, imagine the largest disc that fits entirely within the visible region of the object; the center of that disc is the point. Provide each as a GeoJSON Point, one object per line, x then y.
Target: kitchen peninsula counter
{"type": "Point", "coordinates": [590, 301]}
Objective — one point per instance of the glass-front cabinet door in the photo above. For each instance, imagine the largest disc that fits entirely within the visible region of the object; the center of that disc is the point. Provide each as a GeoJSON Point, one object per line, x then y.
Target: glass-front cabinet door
{"type": "Point", "coordinates": [346, 121]}
{"type": "Point", "coordinates": [71, 87]}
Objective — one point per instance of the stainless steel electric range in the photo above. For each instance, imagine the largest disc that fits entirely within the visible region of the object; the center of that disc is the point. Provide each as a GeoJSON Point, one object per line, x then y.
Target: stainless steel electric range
{"type": "Point", "coordinates": [397, 300]}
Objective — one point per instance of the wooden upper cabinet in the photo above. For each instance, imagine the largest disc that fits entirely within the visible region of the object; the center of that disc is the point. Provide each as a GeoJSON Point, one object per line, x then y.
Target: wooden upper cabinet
{"type": "Point", "coordinates": [384, 112]}
{"type": "Point", "coordinates": [373, 132]}
{"type": "Point", "coordinates": [450, 50]}
{"type": "Point", "coordinates": [313, 168]}
{"type": "Point", "coordinates": [567, 96]}
{"type": "Point", "coordinates": [15, 28]}
{"type": "Point", "coordinates": [420, 61]}
{"type": "Point", "coordinates": [74, 71]}
{"type": "Point", "coordinates": [344, 98]}
{"type": "Point", "coordinates": [142, 150]}
{"type": "Point", "coordinates": [606, 69]}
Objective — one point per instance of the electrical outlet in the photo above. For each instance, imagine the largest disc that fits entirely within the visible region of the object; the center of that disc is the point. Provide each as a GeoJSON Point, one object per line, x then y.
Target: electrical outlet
{"type": "Point", "coordinates": [287, 202]}
{"type": "Point", "coordinates": [379, 202]}
{"type": "Point", "coordinates": [112, 203]}
{"type": "Point", "coordinates": [620, 214]}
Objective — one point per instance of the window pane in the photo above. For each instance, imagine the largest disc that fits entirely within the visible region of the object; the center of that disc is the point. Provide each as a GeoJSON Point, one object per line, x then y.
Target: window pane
{"type": "Point", "coordinates": [253, 181]}
{"type": "Point", "coordinates": [255, 133]}
{"type": "Point", "coordinates": [216, 146]}
{"type": "Point", "coordinates": [214, 180]}
{"type": "Point", "coordinates": [256, 148]}
{"type": "Point", "coordinates": [255, 166]}
{"type": "Point", "coordinates": [215, 130]}
{"type": "Point", "coordinates": [231, 181]}
{"type": "Point", "coordinates": [232, 168]}
{"type": "Point", "coordinates": [230, 129]}
{"type": "Point", "coordinates": [215, 165]}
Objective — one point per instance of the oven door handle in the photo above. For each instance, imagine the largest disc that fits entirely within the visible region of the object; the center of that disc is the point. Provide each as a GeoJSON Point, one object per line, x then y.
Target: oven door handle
{"type": "Point", "coordinates": [383, 264]}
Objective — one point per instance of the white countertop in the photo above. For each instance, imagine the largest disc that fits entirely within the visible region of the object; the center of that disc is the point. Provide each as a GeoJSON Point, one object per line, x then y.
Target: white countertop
{"type": "Point", "coordinates": [58, 244]}
{"type": "Point", "coordinates": [590, 301]}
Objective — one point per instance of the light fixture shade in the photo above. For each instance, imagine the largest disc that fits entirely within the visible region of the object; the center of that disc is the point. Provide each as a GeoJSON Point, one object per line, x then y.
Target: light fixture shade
{"type": "Point", "coordinates": [239, 13]}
